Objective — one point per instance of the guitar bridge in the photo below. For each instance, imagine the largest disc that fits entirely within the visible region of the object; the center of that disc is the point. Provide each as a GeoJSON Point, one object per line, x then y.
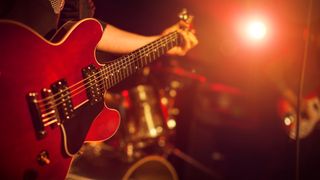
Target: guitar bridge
{"type": "Point", "coordinates": [43, 111]}
{"type": "Point", "coordinates": [53, 108]}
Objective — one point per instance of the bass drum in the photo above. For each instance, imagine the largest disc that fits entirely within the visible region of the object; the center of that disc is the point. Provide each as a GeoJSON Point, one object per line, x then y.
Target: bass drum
{"type": "Point", "coordinates": [97, 162]}
{"type": "Point", "coordinates": [151, 167]}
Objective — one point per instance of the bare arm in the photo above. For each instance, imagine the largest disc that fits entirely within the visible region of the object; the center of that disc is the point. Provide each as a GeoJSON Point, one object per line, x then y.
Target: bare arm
{"type": "Point", "coordinates": [116, 40]}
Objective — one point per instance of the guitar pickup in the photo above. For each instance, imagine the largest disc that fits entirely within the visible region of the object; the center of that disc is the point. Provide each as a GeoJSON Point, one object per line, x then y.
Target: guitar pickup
{"type": "Point", "coordinates": [93, 81]}
{"type": "Point", "coordinates": [62, 100]}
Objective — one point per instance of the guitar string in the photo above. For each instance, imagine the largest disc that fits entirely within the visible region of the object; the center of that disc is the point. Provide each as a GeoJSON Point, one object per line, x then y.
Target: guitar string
{"type": "Point", "coordinates": [112, 67]}
{"type": "Point", "coordinates": [165, 38]}
{"type": "Point", "coordinates": [138, 64]}
{"type": "Point", "coordinates": [49, 115]}
{"type": "Point", "coordinates": [116, 67]}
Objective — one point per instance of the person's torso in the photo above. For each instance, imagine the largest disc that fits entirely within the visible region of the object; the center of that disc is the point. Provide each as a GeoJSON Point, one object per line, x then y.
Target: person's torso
{"type": "Point", "coordinates": [45, 16]}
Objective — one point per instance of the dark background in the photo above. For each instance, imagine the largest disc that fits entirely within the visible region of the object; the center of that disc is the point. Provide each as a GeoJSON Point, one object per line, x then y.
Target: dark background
{"type": "Point", "coordinates": [249, 141]}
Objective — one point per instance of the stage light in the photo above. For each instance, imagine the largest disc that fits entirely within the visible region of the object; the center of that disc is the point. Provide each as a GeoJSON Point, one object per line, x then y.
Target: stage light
{"type": "Point", "coordinates": [171, 123]}
{"type": "Point", "coordinates": [256, 30]}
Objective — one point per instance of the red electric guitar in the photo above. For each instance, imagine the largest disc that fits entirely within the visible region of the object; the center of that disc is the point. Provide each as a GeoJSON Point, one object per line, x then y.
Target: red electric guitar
{"type": "Point", "coordinates": [51, 96]}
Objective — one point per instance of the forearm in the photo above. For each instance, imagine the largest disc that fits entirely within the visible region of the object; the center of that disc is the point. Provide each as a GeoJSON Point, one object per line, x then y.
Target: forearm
{"type": "Point", "coordinates": [115, 40]}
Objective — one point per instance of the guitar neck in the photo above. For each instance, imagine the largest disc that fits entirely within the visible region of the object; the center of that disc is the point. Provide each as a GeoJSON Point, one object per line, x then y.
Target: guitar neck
{"type": "Point", "coordinates": [125, 66]}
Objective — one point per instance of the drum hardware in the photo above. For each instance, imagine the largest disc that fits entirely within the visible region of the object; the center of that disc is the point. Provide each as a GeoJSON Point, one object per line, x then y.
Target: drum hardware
{"type": "Point", "coordinates": [151, 167]}
{"type": "Point", "coordinates": [147, 120]}
{"type": "Point", "coordinates": [170, 149]}
{"type": "Point", "coordinates": [107, 165]}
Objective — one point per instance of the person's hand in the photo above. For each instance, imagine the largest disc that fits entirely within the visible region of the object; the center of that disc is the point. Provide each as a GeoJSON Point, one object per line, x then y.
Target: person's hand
{"type": "Point", "coordinates": [189, 38]}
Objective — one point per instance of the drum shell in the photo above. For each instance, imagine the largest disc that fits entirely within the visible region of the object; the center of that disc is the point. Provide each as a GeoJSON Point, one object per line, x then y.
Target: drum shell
{"type": "Point", "coordinates": [144, 119]}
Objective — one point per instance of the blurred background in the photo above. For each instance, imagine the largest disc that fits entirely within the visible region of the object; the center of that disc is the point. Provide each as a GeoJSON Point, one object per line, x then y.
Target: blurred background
{"type": "Point", "coordinates": [217, 108]}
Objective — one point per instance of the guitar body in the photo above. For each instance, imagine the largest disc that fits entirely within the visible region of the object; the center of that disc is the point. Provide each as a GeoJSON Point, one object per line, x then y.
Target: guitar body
{"type": "Point", "coordinates": [310, 116]}
{"type": "Point", "coordinates": [28, 64]}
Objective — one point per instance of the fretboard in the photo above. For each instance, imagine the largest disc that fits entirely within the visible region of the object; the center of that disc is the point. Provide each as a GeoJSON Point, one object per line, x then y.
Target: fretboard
{"type": "Point", "coordinates": [125, 66]}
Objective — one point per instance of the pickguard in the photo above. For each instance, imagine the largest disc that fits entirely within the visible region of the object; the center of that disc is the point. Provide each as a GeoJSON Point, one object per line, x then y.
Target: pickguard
{"type": "Point", "coordinates": [76, 129]}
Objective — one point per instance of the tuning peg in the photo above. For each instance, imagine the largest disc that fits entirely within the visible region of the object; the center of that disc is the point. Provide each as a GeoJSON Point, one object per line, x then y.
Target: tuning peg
{"type": "Point", "coordinates": [185, 16]}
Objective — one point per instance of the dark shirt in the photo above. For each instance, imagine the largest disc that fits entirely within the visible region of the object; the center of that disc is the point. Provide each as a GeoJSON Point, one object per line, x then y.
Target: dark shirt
{"type": "Point", "coordinates": [40, 16]}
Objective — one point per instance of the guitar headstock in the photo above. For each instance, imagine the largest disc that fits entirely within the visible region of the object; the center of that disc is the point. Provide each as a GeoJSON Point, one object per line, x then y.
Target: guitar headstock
{"type": "Point", "coordinates": [186, 17]}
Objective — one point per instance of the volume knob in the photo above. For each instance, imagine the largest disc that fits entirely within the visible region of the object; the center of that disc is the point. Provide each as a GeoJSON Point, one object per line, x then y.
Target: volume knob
{"type": "Point", "coordinates": [43, 158]}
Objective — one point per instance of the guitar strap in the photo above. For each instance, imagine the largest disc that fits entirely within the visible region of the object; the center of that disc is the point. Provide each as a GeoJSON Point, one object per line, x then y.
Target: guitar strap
{"type": "Point", "coordinates": [57, 5]}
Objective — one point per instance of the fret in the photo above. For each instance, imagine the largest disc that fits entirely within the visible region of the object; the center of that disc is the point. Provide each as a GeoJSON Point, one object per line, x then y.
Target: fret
{"type": "Point", "coordinates": [140, 63]}
{"type": "Point", "coordinates": [150, 56]}
{"type": "Point", "coordinates": [137, 61]}
{"type": "Point", "coordinates": [154, 52]}
{"type": "Point", "coordinates": [128, 62]}
{"type": "Point", "coordinates": [127, 70]}
{"type": "Point", "coordinates": [158, 52]}
{"type": "Point", "coordinates": [162, 49]}
{"type": "Point", "coordinates": [102, 72]}
{"type": "Point", "coordinates": [112, 80]}
{"type": "Point", "coordinates": [126, 65]}
{"type": "Point", "coordinates": [167, 47]}
{"type": "Point", "coordinates": [107, 81]}
{"type": "Point", "coordinates": [154, 55]}
{"type": "Point", "coordinates": [146, 57]}
{"type": "Point", "coordinates": [121, 74]}
{"type": "Point", "coordinates": [176, 40]}
{"type": "Point", "coordinates": [141, 59]}
{"type": "Point", "coordinates": [132, 64]}
{"type": "Point", "coordinates": [108, 77]}
{"type": "Point", "coordinates": [130, 68]}
{"type": "Point", "coordinates": [104, 77]}
{"type": "Point", "coordinates": [117, 75]}
{"type": "Point", "coordinates": [111, 73]}
{"type": "Point", "coordinates": [171, 44]}
{"type": "Point", "coordinates": [100, 83]}
{"type": "Point", "coordinates": [136, 64]}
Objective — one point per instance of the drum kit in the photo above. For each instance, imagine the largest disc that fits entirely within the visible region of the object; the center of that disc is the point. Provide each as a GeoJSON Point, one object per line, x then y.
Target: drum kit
{"type": "Point", "coordinates": [147, 121]}
{"type": "Point", "coordinates": [140, 148]}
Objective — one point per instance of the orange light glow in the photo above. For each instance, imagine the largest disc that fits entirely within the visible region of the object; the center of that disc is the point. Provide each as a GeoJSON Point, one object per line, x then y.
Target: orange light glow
{"type": "Point", "coordinates": [256, 30]}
